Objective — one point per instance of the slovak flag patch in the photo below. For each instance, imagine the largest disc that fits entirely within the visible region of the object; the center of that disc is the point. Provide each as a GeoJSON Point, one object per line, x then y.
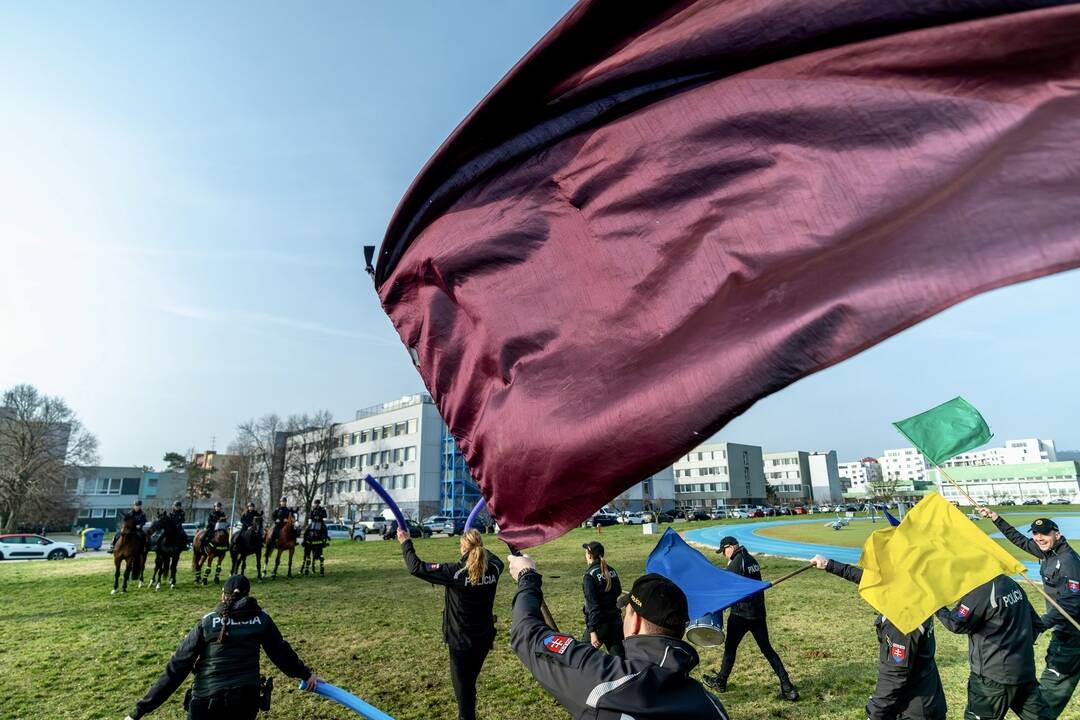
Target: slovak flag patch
{"type": "Point", "coordinates": [963, 611]}
{"type": "Point", "coordinates": [558, 644]}
{"type": "Point", "coordinates": [432, 567]}
{"type": "Point", "coordinates": [898, 653]}
{"type": "Point", "coordinates": [1073, 586]}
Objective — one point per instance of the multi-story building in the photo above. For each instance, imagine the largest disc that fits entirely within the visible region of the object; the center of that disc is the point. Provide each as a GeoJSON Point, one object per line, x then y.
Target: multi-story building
{"type": "Point", "coordinates": [990, 484]}
{"type": "Point", "coordinates": [101, 494]}
{"type": "Point", "coordinates": [1014, 452]}
{"type": "Point", "coordinates": [799, 476]}
{"type": "Point", "coordinates": [720, 474]}
{"type": "Point", "coordinates": [903, 468]}
{"type": "Point", "coordinates": [862, 475]}
{"type": "Point", "coordinates": [654, 493]}
{"type": "Point", "coordinates": [825, 477]}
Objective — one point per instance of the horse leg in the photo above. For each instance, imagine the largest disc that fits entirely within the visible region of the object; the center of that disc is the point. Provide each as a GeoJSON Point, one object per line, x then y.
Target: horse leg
{"type": "Point", "coordinates": [127, 574]}
{"type": "Point", "coordinates": [277, 564]}
{"type": "Point", "coordinates": [172, 571]}
{"type": "Point", "coordinates": [116, 577]}
{"type": "Point", "coordinates": [217, 571]}
{"type": "Point", "coordinates": [258, 565]}
{"type": "Point", "coordinates": [322, 563]}
{"type": "Point", "coordinates": [303, 564]}
{"type": "Point", "coordinates": [291, 551]}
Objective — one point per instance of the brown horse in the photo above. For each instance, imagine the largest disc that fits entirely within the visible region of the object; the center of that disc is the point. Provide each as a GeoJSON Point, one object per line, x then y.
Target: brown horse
{"type": "Point", "coordinates": [129, 550]}
{"type": "Point", "coordinates": [204, 550]}
{"type": "Point", "coordinates": [286, 540]}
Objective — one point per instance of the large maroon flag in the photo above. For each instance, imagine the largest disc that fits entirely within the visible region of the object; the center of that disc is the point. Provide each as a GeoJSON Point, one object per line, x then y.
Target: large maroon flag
{"type": "Point", "coordinates": [660, 216]}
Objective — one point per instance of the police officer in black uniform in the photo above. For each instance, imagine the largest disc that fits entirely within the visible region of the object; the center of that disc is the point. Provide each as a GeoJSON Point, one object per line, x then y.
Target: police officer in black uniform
{"type": "Point", "coordinates": [1001, 626]}
{"type": "Point", "coordinates": [601, 586]}
{"type": "Point", "coordinates": [223, 649]}
{"type": "Point", "coordinates": [468, 621]}
{"type": "Point", "coordinates": [747, 616]}
{"type": "Point", "coordinates": [318, 514]}
{"type": "Point", "coordinates": [137, 516]}
{"type": "Point", "coordinates": [650, 682]}
{"type": "Point", "coordinates": [177, 514]}
{"type": "Point", "coordinates": [1059, 566]}
{"type": "Point", "coordinates": [248, 518]}
{"type": "Point", "coordinates": [280, 516]}
{"type": "Point", "coordinates": [908, 683]}
{"type": "Point", "coordinates": [214, 517]}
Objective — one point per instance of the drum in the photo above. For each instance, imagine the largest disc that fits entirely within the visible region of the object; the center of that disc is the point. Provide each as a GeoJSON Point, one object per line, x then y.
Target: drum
{"type": "Point", "coordinates": [707, 631]}
{"type": "Point", "coordinates": [221, 525]}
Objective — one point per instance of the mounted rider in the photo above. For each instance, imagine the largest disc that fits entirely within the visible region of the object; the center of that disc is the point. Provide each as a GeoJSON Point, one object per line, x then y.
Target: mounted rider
{"type": "Point", "coordinates": [248, 518]}
{"type": "Point", "coordinates": [280, 516]}
{"type": "Point", "coordinates": [316, 526]}
{"type": "Point", "coordinates": [217, 515]}
{"type": "Point", "coordinates": [177, 515]}
{"type": "Point", "coordinates": [138, 517]}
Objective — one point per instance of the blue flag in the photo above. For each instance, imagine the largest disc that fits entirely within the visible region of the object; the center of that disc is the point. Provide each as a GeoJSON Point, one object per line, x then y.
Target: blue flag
{"type": "Point", "coordinates": [892, 521]}
{"type": "Point", "coordinates": [707, 587]}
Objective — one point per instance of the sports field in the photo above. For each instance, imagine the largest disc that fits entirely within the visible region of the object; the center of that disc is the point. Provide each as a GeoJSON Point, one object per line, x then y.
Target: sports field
{"type": "Point", "coordinates": [70, 650]}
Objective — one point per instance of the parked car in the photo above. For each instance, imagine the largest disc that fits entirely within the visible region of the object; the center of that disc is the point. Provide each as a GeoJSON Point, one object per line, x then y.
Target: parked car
{"type": "Point", "coordinates": [663, 517]}
{"type": "Point", "coordinates": [756, 514]}
{"type": "Point", "coordinates": [800, 510]}
{"type": "Point", "coordinates": [1033, 501]}
{"type": "Point", "coordinates": [631, 518]}
{"type": "Point", "coordinates": [1059, 501]}
{"type": "Point", "coordinates": [697, 514]}
{"type": "Point", "coordinates": [767, 511]}
{"type": "Point", "coordinates": [26, 546]}
{"type": "Point", "coordinates": [437, 523]}
{"type": "Point", "coordinates": [373, 526]}
{"type": "Point", "coordinates": [358, 533]}
{"type": "Point", "coordinates": [679, 513]}
{"type": "Point", "coordinates": [603, 518]}
{"type": "Point", "coordinates": [415, 529]}
{"type": "Point", "coordinates": [738, 514]}
{"type": "Point", "coordinates": [337, 531]}
{"type": "Point", "coordinates": [190, 529]}
{"type": "Point", "coordinates": [718, 513]}
{"type": "Point", "coordinates": [1007, 502]}
{"type": "Point", "coordinates": [784, 511]}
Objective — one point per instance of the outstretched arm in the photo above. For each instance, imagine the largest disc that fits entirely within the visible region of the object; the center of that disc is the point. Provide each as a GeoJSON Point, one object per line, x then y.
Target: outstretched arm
{"type": "Point", "coordinates": [174, 674]}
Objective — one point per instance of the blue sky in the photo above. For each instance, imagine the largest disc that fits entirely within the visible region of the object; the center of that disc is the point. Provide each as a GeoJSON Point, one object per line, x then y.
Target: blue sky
{"type": "Point", "coordinates": [185, 192]}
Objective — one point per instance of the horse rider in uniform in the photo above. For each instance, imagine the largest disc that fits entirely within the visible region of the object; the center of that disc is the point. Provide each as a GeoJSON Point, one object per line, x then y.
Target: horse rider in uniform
{"type": "Point", "coordinates": [1059, 566]}
{"type": "Point", "coordinates": [177, 514]}
{"type": "Point", "coordinates": [223, 649]}
{"type": "Point", "coordinates": [1001, 625]}
{"type": "Point", "coordinates": [212, 519]}
{"type": "Point", "coordinates": [318, 514]}
{"type": "Point", "coordinates": [248, 518]}
{"type": "Point", "coordinates": [747, 616]}
{"type": "Point", "coordinates": [908, 683]}
{"type": "Point", "coordinates": [138, 517]}
{"type": "Point", "coordinates": [650, 682]}
{"type": "Point", "coordinates": [280, 516]}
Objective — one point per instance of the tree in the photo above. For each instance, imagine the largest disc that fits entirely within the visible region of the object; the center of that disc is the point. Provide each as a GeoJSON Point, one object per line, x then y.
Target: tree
{"type": "Point", "coordinates": [41, 441]}
{"type": "Point", "coordinates": [258, 439]}
{"type": "Point", "coordinates": [199, 481]}
{"type": "Point", "coordinates": [308, 456]}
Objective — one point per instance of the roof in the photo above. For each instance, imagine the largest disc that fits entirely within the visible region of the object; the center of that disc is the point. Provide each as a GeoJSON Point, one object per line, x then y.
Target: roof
{"type": "Point", "coordinates": [1066, 470]}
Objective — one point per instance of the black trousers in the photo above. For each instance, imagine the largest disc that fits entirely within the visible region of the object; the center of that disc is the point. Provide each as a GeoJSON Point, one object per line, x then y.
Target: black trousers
{"type": "Point", "coordinates": [236, 704]}
{"type": "Point", "coordinates": [611, 635]}
{"type": "Point", "coordinates": [464, 670]}
{"type": "Point", "coordinates": [758, 627]}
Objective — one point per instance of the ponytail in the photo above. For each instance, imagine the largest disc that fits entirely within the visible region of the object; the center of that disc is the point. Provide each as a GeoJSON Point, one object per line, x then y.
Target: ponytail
{"type": "Point", "coordinates": [228, 603]}
{"type": "Point", "coordinates": [606, 573]}
{"type": "Point", "coordinates": [476, 556]}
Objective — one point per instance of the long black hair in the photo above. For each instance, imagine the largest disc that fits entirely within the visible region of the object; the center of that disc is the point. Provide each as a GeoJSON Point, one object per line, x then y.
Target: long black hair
{"type": "Point", "coordinates": [236, 587]}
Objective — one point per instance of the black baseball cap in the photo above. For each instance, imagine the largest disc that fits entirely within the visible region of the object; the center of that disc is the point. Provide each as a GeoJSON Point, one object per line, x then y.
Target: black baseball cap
{"type": "Point", "coordinates": [727, 541]}
{"type": "Point", "coordinates": [1043, 526]}
{"type": "Point", "coordinates": [237, 584]}
{"type": "Point", "coordinates": [659, 601]}
{"type": "Point", "coordinates": [318, 501]}
{"type": "Point", "coordinates": [178, 504]}
{"type": "Point", "coordinates": [595, 549]}
{"type": "Point", "coordinates": [138, 503]}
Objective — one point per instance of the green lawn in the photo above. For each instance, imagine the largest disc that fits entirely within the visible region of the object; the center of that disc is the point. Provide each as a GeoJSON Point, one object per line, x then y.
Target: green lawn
{"type": "Point", "coordinates": [856, 534]}
{"type": "Point", "coordinates": [70, 650]}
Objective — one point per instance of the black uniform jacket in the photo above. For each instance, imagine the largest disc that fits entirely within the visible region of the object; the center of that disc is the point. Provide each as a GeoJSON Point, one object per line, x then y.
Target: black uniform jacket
{"type": "Point", "coordinates": [743, 563]}
{"type": "Point", "coordinates": [651, 682]}
{"type": "Point", "coordinates": [219, 666]}
{"type": "Point", "coordinates": [281, 514]}
{"type": "Point", "coordinates": [317, 513]}
{"type": "Point", "coordinates": [1060, 570]}
{"type": "Point", "coordinates": [177, 516]}
{"type": "Point", "coordinates": [1000, 625]}
{"type": "Point", "coordinates": [600, 606]}
{"type": "Point", "coordinates": [468, 621]}
{"type": "Point", "coordinates": [138, 516]}
{"type": "Point", "coordinates": [213, 518]}
{"type": "Point", "coordinates": [908, 683]}
{"type": "Point", "coordinates": [248, 518]}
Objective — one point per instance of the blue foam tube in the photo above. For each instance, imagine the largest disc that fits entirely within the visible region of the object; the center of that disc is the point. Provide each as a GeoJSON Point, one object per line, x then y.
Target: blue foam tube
{"type": "Point", "coordinates": [381, 492]}
{"type": "Point", "coordinates": [480, 504]}
{"type": "Point", "coordinates": [358, 706]}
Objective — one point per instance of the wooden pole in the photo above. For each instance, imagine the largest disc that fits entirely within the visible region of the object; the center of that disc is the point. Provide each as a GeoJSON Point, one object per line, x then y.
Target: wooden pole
{"type": "Point", "coordinates": [791, 574]}
{"type": "Point", "coordinates": [957, 486]}
{"type": "Point", "coordinates": [1051, 600]}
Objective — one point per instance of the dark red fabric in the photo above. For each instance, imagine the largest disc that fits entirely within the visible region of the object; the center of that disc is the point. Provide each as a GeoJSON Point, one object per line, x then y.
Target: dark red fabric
{"type": "Point", "coordinates": [658, 218]}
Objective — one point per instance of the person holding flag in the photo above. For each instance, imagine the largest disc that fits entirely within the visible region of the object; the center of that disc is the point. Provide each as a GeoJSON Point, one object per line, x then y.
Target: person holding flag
{"type": "Point", "coordinates": [468, 622]}
{"type": "Point", "coordinates": [1059, 566]}
{"type": "Point", "coordinates": [908, 683]}
{"type": "Point", "coordinates": [747, 616]}
{"type": "Point", "coordinates": [1001, 627]}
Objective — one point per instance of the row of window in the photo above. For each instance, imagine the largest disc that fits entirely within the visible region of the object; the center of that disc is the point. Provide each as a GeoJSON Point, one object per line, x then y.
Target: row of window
{"type": "Point", "coordinates": [407, 427]}
{"type": "Point", "coordinates": [701, 487]}
{"type": "Point", "coordinates": [390, 482]}
{"type": "Point", "coordinates": [104, 486]}
{"type": "Point", "coordinates": [98, 512]}
{"type": "Point", "coordinates": [396, 455]}
{"type": "Point", "coordinates": [701, 472]}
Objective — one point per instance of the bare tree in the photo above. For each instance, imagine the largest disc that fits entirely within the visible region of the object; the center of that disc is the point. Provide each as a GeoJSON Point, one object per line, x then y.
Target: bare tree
{"type": "Point", "coordinates": [199, 481]}
{"type": "Point", "coordinates": [236, 475]}
{"type": "Point", "coordinates": [308, 455]}
{"type": "Point", "coordinates": [258, 439]}
{"type": "Point", "coordinates": [41, 439]}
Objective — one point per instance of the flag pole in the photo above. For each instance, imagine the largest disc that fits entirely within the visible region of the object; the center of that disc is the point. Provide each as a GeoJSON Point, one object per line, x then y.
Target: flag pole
{"type": "Point", "coordinates": [791, 574]}
{"type": "Point", "coordinates": [957, 486]}
{"type": "Point", "coordinates": [1051, 600]}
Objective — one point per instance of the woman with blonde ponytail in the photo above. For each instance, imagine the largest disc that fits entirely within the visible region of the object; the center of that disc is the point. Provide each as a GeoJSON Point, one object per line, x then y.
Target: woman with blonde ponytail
{"type": "Point", "coordinates": [223, 649]}
{"type": "Point", "coordinates": [468, 622]}
{"type": "Point", "coordinates": [603, 620]}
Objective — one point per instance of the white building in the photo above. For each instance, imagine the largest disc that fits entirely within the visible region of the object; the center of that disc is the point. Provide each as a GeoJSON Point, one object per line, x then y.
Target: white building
{"type": "Point", "coordinates": [720, 474]}
{"type": "Point", "coordinates": [1014, 452]}
{"type": "Point", "coordinates": [990, 484]}
{"type": "Point", "coordinates": [825, 477]}
{"type": "Point", "coordinates": [862, 475]}
{"type": "Point", "coordinates": [903, 468]}
{"type": "Point", "coordinates": [800, 476]}
{"type": "Point", "coordinates": [654, 493]}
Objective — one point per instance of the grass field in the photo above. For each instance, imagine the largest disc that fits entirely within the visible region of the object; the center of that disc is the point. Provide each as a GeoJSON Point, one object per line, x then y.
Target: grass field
{"type": "Point", "coordinates": [70, 650]}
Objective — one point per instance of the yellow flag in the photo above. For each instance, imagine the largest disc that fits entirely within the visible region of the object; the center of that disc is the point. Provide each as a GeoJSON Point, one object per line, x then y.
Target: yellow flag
{"type": "Point", "coordinates": [932, 559]}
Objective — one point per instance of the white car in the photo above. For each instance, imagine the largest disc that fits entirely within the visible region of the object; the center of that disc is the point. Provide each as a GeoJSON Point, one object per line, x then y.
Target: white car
{"type": "Point", "coordinates": [738, 514]}
{"type": "Point", "coordinates": [33, 547]}
{"type": "Point", "coordinates": [631, 518]}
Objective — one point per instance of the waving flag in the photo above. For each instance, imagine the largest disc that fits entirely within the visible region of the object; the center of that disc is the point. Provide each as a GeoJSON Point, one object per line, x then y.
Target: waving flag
{"type": "Point", "coordinates": [667, 211]}
{"type": "Point", "coordinates": [946, 431]}
{"type": "Point", "coordinates": [708, 588]}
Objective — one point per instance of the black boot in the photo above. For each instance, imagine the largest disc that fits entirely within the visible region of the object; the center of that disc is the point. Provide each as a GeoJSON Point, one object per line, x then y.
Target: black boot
{"type": "Point", "coordinates": [788, 691]}
{"type": "Point", "coordinates": [716, 682]}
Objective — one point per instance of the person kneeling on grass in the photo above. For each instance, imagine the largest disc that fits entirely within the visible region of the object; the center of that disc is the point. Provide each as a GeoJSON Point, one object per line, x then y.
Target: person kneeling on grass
{"type": "Point", "coordinates": [651, 681]}
{"type": "Point", "coordinates": [223, 649]}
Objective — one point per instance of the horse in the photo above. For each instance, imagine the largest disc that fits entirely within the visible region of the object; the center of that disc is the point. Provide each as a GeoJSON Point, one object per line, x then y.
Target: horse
{"type": "Point", "coordinates": [205, 551]}
{"type": "Point", "coordinates": [286, 540]}
{"type": "Point", "coordinates": [171, 542]}
{"type": "Point", "coordinates": [129, 550]}
{"type": "Point", "coordinates": [248, 541]}
{"type": "Point", "coordinates": [315, 541]}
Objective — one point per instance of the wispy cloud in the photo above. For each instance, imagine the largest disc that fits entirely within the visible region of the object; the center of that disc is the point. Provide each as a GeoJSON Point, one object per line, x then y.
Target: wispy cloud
{"type": "Point", "coordinates": [248, 317]}
{"type": "Point", "coordinates": [308, 260]}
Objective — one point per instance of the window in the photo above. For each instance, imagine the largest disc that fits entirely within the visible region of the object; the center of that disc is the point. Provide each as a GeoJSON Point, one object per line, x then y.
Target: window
{"type": "Point", "coordinates": [71, 485]}
{"type": "Point", "coordinates": [397, 455]}
{"type": "Point", "coordinates": [385, 458]}
{"type": "Point", "coordinates": [84, 513]}
{"type": "Point", "coordinates": [411, 426]}
{"type": "Point", "coordinates": [391, 483]}
{"type": "Point", "coordinates": [354, 438]}
{"type": "Point", "coordinates": [401, 428]}
{"type": "Point", "coordinates": [352, 461]}
{"type": "Point", "coordinates": [410, 453]}
{"type": "Point", "coordinates": [341, 487]}
{"type": "Point", "coordinates": [373, 458]}
{"type": "Point", "coordinates": [387, 431]}
{"type": "Point", "coordinates": [363, 436]}
{"type": "Point", "coordinates": [110, 512]}
{"type": "Point", "coordinates": [374, 433]}
{"type": "Point", "coordinates": [352, 485]}
{"type": "Point", "coordinates": [410, 481]}
{"type": "Point", "coordinates": [98, 512]}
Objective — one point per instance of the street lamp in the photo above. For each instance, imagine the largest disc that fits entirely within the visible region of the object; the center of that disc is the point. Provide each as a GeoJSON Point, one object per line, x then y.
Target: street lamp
{"type": "Point", "coordinates": [232, 510]}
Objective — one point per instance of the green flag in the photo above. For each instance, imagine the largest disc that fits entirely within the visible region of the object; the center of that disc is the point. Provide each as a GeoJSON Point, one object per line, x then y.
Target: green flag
{"type": "Point", "coordinates": [946, 431]}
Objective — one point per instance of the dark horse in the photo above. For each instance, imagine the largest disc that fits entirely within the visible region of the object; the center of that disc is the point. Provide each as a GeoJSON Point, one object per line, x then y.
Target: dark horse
{"type": "Point", "coordinates": [315, 541]}
{"type": "Point", "coordinates": [206, 549]}
{"type": "Point", "coordinates": [128, 549]}
{"type": "Point", "coordinates": [171, 540]}
{"type": "Point", "coordinates": [286, 540]}
{"type": "Point", "coordinates": [248, 541]}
